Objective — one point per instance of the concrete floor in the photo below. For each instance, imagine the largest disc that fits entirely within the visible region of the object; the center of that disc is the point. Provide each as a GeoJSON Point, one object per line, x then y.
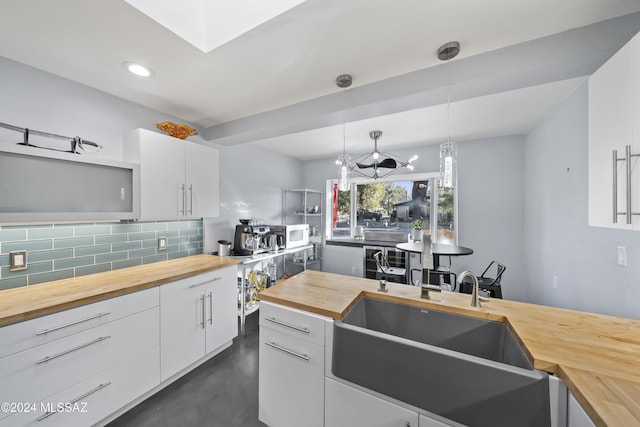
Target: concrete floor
{"type": "Point", "coordinates": [222, 392]}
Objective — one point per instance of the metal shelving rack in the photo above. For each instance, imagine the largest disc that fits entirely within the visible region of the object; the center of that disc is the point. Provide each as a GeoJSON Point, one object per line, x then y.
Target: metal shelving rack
{"type": "Point", "coordinates": [299, 207]}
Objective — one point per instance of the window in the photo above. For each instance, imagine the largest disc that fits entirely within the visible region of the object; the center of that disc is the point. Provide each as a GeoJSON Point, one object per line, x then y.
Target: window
{"type": "Point", "coordinates": [392, 206]}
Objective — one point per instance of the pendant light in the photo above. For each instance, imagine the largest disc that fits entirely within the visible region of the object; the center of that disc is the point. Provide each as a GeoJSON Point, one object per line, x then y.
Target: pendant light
{"type": "Point", "coordinates": [343, 81]}
{"type": "Point", "coordinates": [448, 150]}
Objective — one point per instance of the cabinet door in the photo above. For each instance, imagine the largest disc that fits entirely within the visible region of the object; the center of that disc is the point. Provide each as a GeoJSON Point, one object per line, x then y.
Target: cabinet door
{"type": "Point", "coordinates": [162, 163]}
{"type": "Point", "coordinates": [291, 380]}
{"type": "Point", "coordinates": [346, 406]}
{"type": "Point", "coordinates": [202, 181]}
{"type": "Point", "coordinates": [577, 417]}
{"type": "Point", "coordinates": [611, 110]}
{"type": "Point", "coordinates": [182, 324]}
{"type": "Point", "coordinates": [222, 301]}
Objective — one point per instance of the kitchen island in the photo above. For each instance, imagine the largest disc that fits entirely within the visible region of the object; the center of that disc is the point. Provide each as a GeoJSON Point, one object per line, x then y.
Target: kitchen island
{"type": "Point", "coordinates": [595, 355]}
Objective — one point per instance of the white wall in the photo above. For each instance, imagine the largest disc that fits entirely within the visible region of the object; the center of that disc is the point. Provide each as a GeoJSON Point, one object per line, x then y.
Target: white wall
{"type": "Point", "coordinates": [489, 197]}
{"type": "Point", "coordinates": [559, 241]}
{"type": "Point", "coordinates": [251, 178]}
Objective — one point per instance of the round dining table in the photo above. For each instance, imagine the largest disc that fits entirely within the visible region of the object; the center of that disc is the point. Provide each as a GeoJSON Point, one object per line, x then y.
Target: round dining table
{"type": "Point", "coordinates": [437, 249]}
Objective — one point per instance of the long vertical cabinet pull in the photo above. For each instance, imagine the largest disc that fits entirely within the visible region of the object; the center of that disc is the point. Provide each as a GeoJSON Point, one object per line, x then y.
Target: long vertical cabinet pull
{"type": "Point", "coordinates": [627, 160]}
{"type": "Point", "coordinates": [184, 194]}
{"type": "Point", "coordinates": [203, 312]}
{"type": "Point", "coordinates": [191, 199]}
{"type": "Point", "coordinates": [211, 308]}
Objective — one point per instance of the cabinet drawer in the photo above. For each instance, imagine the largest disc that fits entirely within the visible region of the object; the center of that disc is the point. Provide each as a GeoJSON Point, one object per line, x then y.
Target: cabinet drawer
{"type": "Point", "coordinates": [290, 380]}
{"type": "Point", "coordinates": [98, 396]}
{"type": "Point", "coordinates": [34, 374]}
{"type": "Point", "coordinates": [35, 332]}
{"type": "Point", "coordinates": [297, 323]}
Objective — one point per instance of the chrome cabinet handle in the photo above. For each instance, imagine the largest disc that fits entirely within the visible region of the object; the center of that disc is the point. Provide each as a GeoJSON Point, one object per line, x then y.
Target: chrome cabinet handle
{"type": "Point", "coordinates": [287, 325]}
{"type": "Point", "coordinates": [76, 400]}
{"type": "Point", "coordinates": [286, 350]}
{"type": "Point", "coordinates": [71, 350]}
{"type": "Point", "coordinates": [184, 194]}
{"type": "Point", "coordinates": [191, 199]}
{"type": "Point", "coordinates": [198, 284]}
{"type": "Point", "coordinates": [203, 311]}
{"type": "Point", "coordinates": [211, 308]}
{"type": "Point", "coordinates": [615, 186]}
{"type": "Point", "coordinates": [46, 331]}
{"type": "Point", "coordinates": [206, 283]}
{"type": "Point", "coordinates": [627, 159]}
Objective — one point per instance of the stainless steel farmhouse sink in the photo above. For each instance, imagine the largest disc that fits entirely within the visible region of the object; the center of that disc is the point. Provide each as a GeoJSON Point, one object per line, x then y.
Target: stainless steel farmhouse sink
{"type": "Point", "coordinates": [469, 370]}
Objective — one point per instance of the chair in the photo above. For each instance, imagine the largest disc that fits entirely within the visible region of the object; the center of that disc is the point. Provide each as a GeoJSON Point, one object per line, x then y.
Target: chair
{"type": "Point", "coordinates": [385, 270]}
{"type": "Point", "coordinates": [491, 285]}
{"type": "Point", "coordinates": [445, 275]}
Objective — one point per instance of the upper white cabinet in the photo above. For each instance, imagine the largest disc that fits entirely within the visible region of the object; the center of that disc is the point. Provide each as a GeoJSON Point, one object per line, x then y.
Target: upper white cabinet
{"type": "Point", "coordinates": [178, 178]}
{"type": "Point", "coordinates": [614, 113]}
{"type": "Point", "coordinates": [46, 185]}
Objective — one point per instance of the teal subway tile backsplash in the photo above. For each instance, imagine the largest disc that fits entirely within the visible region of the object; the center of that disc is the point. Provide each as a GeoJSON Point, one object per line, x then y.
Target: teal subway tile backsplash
{"type": "Point", "coordinates": [61, 251]}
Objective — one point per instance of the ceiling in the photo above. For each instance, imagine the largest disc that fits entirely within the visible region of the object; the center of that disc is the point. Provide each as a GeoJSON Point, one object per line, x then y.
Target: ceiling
{"type": "Point", "coordinates": [276, 83]}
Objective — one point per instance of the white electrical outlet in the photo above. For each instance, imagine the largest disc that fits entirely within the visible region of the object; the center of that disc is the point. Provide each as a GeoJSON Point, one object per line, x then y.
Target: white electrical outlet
{"type": "Point", "coordinates": [622, 256]}
{"type": "Point", "coordinates": [17, 260]}
{"type": "Point", "coordinates": [555, 282]}
{"type": "Point", "coordinates": [162, 243]}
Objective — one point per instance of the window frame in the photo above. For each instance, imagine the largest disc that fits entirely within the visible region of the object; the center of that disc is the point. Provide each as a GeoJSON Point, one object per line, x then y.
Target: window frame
{"type": "Point", "coordinates": [426, 176]}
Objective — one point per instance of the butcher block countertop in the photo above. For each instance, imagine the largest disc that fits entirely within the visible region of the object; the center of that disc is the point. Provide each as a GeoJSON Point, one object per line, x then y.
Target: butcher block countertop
{"type": "Point", "coordinates": [597, 356]}
{"type": "Point", "coordinates": [38, 300]}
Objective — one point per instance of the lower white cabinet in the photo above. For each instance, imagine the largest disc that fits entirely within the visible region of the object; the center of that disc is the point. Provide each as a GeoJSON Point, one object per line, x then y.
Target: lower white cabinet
{"type": "Point", "coordinates": [577, 417]}
{"type": "Point", "coordinates": [95, 398]}
{"type": "Point", "coordinates": [197, 316]}
{"type": "Point", "coordinates": [346, 406]}
{"type": "Point", "coordinates": [291, 367]}
{"type": "Point", "coordinates": [35, 374]}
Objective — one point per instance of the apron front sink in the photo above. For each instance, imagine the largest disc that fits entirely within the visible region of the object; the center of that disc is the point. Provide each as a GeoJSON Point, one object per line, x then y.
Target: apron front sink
{"type": "Point", "coordinates": [469, 370]}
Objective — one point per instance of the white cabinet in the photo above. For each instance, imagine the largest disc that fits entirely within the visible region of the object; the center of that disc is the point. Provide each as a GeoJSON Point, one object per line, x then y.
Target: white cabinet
{"type": "Point", "coordinates": [577, 417]}
{"type": "Point", "coordinates": [178, 178]}
{"type": "Point", "coordinates": [346, 406]}
{"type": "Point", "coordinates": [82, 354]}
{"type": "Point", "coordinates": [614, 124]}
{"type": "Point", "coordinates": [46, 185]}
{"type": "Point", "coordinates": [291, 367]}
{"type": "Point", "coordinates": [198, 316]}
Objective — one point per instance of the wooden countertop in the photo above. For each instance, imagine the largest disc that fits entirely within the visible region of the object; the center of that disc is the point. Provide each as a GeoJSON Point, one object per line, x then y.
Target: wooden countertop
{"type": "Point", "coordinates": [27, 302]}
{"type": "Point", "coordinates": [597, 356]}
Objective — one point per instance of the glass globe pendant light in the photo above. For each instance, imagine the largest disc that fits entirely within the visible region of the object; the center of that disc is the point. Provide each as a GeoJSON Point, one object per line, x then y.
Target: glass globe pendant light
{"type": "Point", "coordinates": [448, 150]}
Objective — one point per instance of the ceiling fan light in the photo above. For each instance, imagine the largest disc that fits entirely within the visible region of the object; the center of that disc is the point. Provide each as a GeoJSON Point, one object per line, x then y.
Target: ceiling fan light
{"type": "Point", "coordinates": [375, 155]}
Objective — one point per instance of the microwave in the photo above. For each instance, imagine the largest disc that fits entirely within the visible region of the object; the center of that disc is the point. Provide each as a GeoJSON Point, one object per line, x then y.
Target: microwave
{"type": "Point", "coordinates": [293, 236]}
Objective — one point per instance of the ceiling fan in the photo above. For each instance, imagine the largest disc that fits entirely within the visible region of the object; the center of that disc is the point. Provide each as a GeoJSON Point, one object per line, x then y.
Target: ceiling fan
{"type": "Point", "coordinates": [372, 161]}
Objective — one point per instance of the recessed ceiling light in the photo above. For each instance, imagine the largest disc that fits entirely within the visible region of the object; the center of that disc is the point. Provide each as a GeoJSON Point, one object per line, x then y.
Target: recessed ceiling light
{"type": "Point", "coordinates": [138, 69]}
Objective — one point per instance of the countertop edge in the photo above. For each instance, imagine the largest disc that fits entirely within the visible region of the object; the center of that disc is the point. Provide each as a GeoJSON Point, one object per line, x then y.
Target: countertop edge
{"type": "Point", "coordinates": [98, 288]}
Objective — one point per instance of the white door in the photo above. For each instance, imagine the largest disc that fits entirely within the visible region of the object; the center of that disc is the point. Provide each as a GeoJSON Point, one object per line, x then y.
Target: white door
{"type": "Point", "coordinates": [610, 128]}
{"type": "Point", "coordinates": [222, 309]}
{"type": "Point", "coordinates": [162, 162]}
{"type": "Point", "coordinates": [346, 406]}
{"type": "Point", "coordinates": [182, 325]}
{"type": "Point", "coordinates": [202, 181]}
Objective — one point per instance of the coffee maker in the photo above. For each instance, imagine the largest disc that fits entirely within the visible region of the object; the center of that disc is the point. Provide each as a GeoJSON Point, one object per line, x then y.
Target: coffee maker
{"type": "Point", "coordinates": [250, 239]}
